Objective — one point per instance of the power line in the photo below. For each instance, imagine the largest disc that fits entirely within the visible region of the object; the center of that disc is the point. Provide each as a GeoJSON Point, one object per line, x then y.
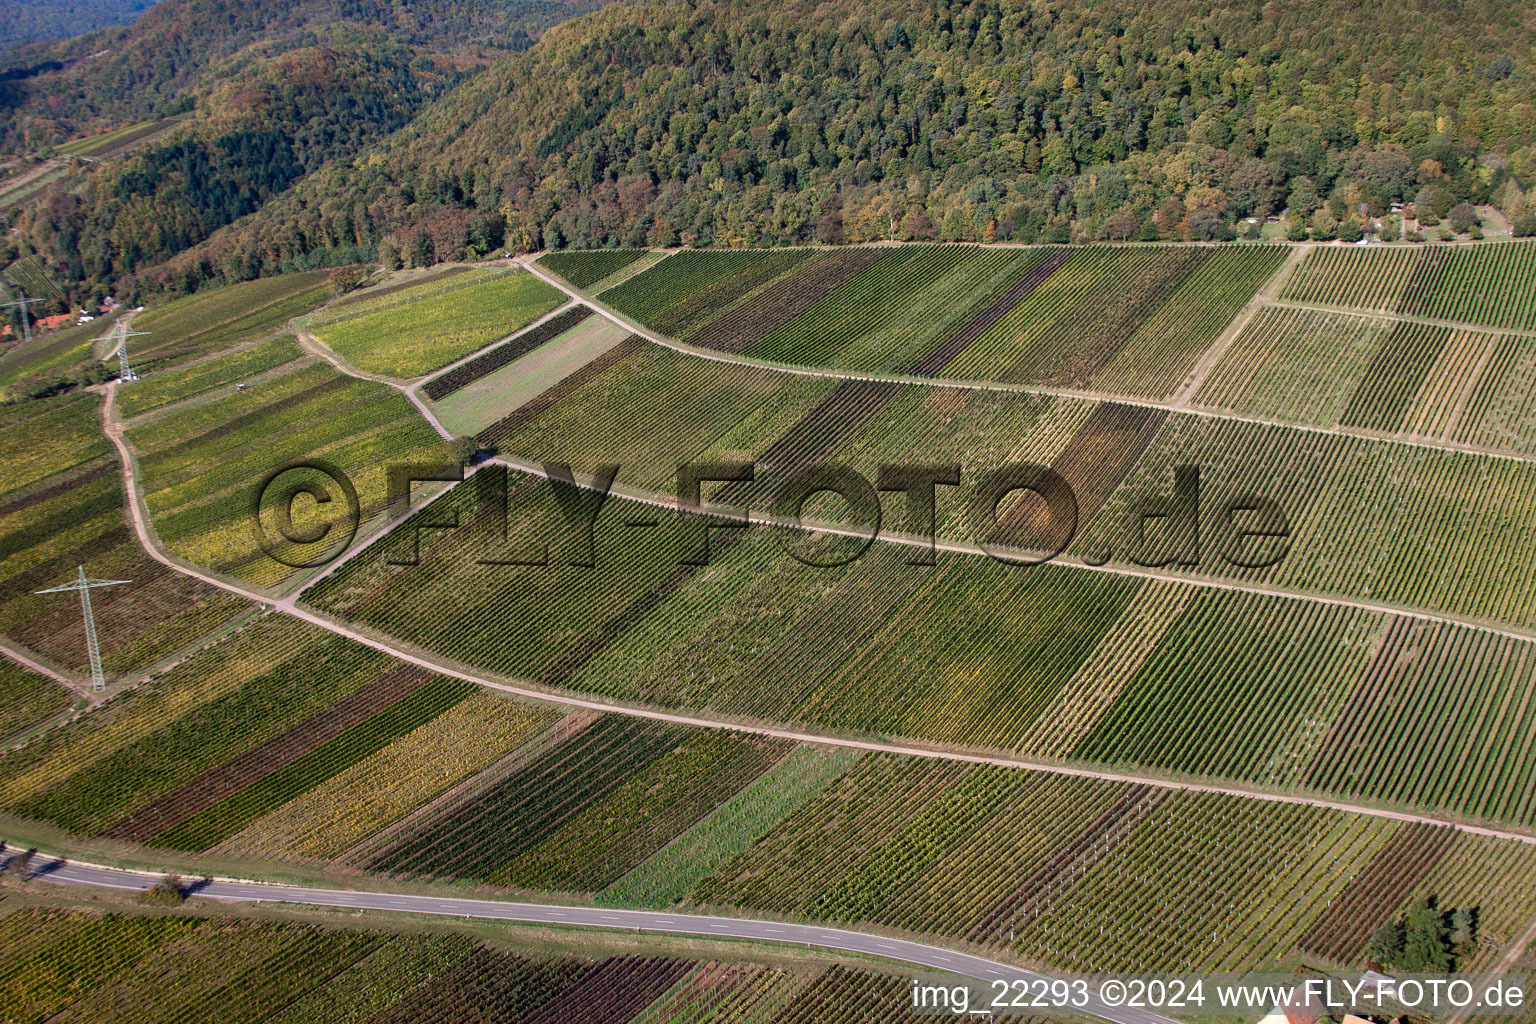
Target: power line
{"type": "Point", "coordinates": [84, 584]}
{"type": "Point", "coordinates": [21, 304]}
{"type": "Point", "coordinates": [123, 334]}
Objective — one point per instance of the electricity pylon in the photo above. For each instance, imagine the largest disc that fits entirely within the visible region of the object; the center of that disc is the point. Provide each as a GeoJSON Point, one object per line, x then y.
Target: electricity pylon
{"type": "Point", "coordinates": [21, 304]}
{"type": "Point", "coordinates": [123, 334]}
{"type": "Point", "coordinates": [29, 275]}
{"type": "Point", "coordinates": [85, 584]}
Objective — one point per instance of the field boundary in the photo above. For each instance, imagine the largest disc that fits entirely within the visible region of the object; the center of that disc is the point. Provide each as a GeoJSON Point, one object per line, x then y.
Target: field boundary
{"type": "Point", "coordinates": [1407, 318]}
{"type": "Point", "coordinates": [1261, 298]}
{"type": "Point", "coordinates": [26, 661]}
{"type": "Point", "coordinates": [425, 379]}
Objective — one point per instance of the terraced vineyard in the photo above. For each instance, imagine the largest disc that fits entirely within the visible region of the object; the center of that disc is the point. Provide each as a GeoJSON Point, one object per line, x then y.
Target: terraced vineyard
{"type": "Point", "coordinates": [1297, 365]}
{"type": "Point", "coordinates": [483, 365]}
{"type": "Point", "coordinates": [1134, 673]}
{"type": "Point", "coordinates": [28, 699]}
{"type": "Point", "coordinates": [1132, 320]}
{"type": "Point", "coordinates": [202, 465]}
{"type": "Point", "coordinates": [1080, 874]}
{"type": "Point", "coordinates": [584, 268]}
{"type": "Point", "coordinates": [222, 374]}
{"type": "Point", "coordinates": [1034, 864]}
{"type": "Point", "coordinates": [653, 410]}
{"type": "Point", "coordinates": [607, 799]}
{"type": "Point", "coordinates": [412, 331]}
{"type": "Point", "coordinates": [1498, 413]}
{"type": "Point", "coordinates": [1480, 284]}
{"type": "Point", "coordinates": [1383, 664]}
{"type": "Point", "coordinates": [383, 788]}
{"type": "Point", "coordinates": [63, 508]}
{"type": "Point", "coordinates": [115, 143]}
{"type": "Point", "coordinates": [1375, 520]}
{"type": "Point", "coordinates": [663, 295]}
{"type": "Point", "coordinates": [228, 736]}
{"type": "Point", "coordinates": [222, 318]}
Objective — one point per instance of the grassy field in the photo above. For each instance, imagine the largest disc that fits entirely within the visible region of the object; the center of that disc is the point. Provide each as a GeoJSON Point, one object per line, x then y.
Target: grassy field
{"type": "Point", "coordinates": [212, 321]}
{"type": "Point", "coordinates": [493, 397]}
{"type": "Point", "coordinates": [419, 329]}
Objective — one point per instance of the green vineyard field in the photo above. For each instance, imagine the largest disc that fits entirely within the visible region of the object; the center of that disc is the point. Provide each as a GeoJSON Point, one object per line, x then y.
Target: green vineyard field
{"type": "Point", "coordinates": [64, 509]}
{"type": "Point", "coordinates": [212, 321]}
{"type": "Point", "coordinates": [584, 268]}
{"type": "Point", "coordinates": [158, 390]}
{"type": "Point", "coordinates": [202, 464]}
{"type": "Point", "coordinates": [419, 329]}
{"type": "Point", "coordinates": [1480, 284]}
{"type": "Point", "coordinates": [1151, 755]}
{"type": "Point", "coordinates": [67, 963]}
{"type": "Point", "coordinates": [223, 739]}
{"type": "Point", "coordinates": [28, 699]}
{"type": "Point", "coordinates": [1129, 321]}
{"type": "Point", "coordinates": [1055, 660]}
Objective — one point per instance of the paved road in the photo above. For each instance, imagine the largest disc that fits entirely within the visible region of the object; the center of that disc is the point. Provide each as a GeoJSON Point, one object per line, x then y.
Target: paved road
{"type": "Point", "coordinates": [934, 958]}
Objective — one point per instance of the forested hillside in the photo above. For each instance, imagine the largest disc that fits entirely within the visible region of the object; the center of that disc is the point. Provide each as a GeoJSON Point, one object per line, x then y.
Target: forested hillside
{"type": "Point", "coordinates": [29, 20]}
{"type": "Point", "coordinates": [750, 122]}
{"type": "Point", "coordinates": [181, 50]}
{"type": "Point", "coordinates": [738, 123]}
{"type": "Point", "coordinates": [274, 91]}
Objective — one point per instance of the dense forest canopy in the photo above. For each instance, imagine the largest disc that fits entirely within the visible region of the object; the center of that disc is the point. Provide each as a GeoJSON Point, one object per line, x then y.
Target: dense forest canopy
{"type": "Point", "coordinates": [755, 122]}
{"type": "Point", "coordinates": [31, 20]}
{"type": "Point", "coordinates": [179, 51]}
{"type": "Point", "coordinates": [273, 91]}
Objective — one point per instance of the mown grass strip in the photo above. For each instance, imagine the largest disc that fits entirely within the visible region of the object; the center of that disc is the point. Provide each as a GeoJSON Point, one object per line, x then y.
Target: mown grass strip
{"type": "Point", "coordinates": [732, 828]}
